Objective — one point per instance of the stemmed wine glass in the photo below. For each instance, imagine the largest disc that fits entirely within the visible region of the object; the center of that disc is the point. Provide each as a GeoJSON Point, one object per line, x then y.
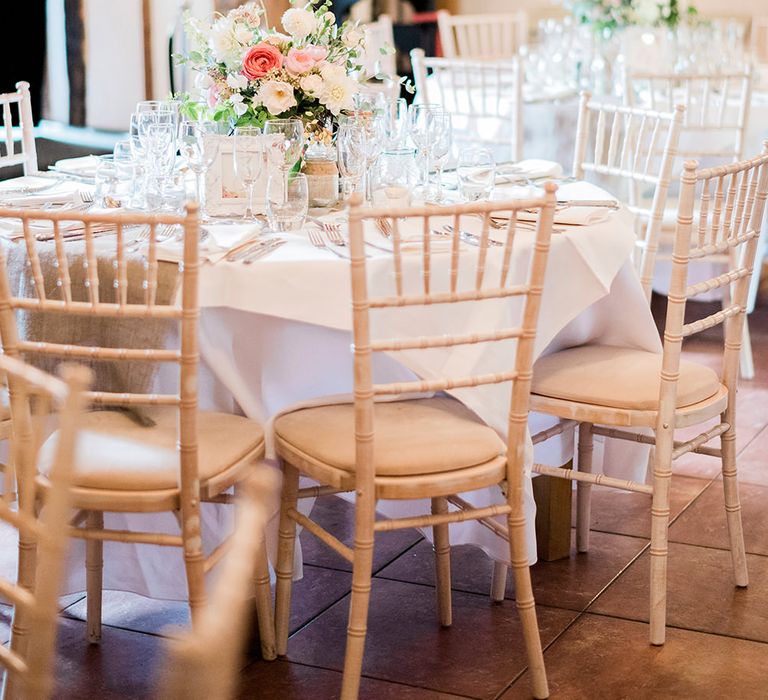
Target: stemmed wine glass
{"type": "Point", "coordinates": [248, 160]}
{"type": "Point", "coordinates": [395, 126]}
{"type": "Point", "coordinates": [350, 150]}
{"type": "Point", "coordinates": [441, 148]}
{"type": "Point", "coordinates": [421, 118]}
{"type": "Point", "coordinates": [287, 148]}
{"type": "Point", "coordinates": [199, 146]}
{"type": "Point", "coordinates": [160, 147]}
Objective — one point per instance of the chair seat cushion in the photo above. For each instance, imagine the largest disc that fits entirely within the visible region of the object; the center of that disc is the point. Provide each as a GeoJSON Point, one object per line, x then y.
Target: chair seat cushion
{"type": "Point", "coordinates": [424, 436]}
{"type": "Point", "coordinates": [603, 375]}
{"type": "Point", "coordinates": [114, 452]}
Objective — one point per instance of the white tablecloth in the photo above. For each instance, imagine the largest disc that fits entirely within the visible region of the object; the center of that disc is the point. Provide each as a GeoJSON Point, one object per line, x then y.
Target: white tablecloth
{"type": "Point", "coordinates": [276, 334]}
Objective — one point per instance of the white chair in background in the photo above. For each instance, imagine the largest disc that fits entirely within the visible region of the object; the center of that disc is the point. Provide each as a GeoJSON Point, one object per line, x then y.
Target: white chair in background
{"type": "Point", "coordinates": [759, 39]}
{"type": "Point", "coordinates": [18, 151]}
{"type": "Point", "coordinates": [715, 124]}
{"type": "Point", "coordinates": [484, 98]}
{"type": "Point", "coordinates": [482, 36]}
{"type": "Point", "coordinates": [380, 35]}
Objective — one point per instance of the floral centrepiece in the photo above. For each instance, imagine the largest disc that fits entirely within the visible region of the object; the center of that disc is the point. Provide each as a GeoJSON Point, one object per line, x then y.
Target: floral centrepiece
{"type": "Point", "coordinates": [248, 73]}
{"type": "Point", "coordinates": [607, 15]}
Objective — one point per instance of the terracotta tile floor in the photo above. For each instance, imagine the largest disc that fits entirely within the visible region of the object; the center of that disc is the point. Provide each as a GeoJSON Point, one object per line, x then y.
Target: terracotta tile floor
{"type": "Point", "coordinates": [592, 607]}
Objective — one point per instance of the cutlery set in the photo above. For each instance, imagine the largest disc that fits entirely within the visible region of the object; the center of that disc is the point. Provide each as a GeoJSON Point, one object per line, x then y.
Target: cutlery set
{"type": "Point", "coordinates": [254, 249]}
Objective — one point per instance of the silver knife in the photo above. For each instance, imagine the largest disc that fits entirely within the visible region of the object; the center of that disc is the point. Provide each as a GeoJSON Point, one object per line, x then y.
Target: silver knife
{"type": "Point", "coordinates": [609, 203]}
{"type": "Point", "coordinates": [252, 247]}
{"type": "Point", "coordinates": [262, 252]}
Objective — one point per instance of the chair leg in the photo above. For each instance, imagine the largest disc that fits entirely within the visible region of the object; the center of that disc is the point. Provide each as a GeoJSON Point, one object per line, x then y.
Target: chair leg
{"type": "Point", "coordinates": [498, 581]}
{"type": "Point", "coordinates": [264, 605]}
{"type": "Point", "coordinates": [733, 506]}
{"type": "Point", "coordinates": [526, 606]}
{"type": "Point", "coordinates": [583, 489]}
{"type": "Point", "coordinates": [662, 479]}
{"type": "Point", "coordinates": [194, 559]}
{"type": "Point", "coordinates": [362, 567]}
{"type": "Point", "coordinates": [442, 547]}
{"type": "Point", "coordinates": [94, 564]}
{"type": "Point", "coordinates": [746, 364]}
{"type": "Point", "coordinates": [285, 552]}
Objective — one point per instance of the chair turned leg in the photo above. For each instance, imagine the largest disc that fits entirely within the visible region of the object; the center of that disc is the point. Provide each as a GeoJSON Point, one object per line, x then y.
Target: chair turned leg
{"type": "Point", "coordinates": [526, 606]}
{"type": "Point", "coordinates": [362, 566]}
{"type": "Point", "coordinates": [442, 547]}
{"type": "Point", "coordinates": [662, 479]}
{"type": "Point", "coordinates": [733, 507]}
{"type": "Point", "coordinates": [498, 582]}
{"type": "Point", "coordinates": [583, 489]}
{"type": "Point", "coordinates": [285, 553]}
{"type": "Point", "coordinates": [264, 605]}
{"type": "Point", "coordinates": [746, 363]}
{"type": "Point", "coordinates": [94, 563]}
{"type": "Point", "coordinates": [194, 559]}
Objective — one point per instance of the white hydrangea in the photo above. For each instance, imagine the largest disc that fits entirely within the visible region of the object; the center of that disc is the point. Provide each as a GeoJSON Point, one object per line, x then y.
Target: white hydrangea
{"type": "Point", "coordinates": [299, 23]}
{"type": "Point", "coordinates": [237, 81]}
{"type": "Point", "coordinates": [225, 45]}
{"type": "Point", "coordinates": [237, 104]}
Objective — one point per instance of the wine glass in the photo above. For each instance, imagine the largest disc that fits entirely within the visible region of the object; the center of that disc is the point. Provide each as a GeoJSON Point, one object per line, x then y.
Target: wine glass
{"type": "Point", "coordinates": [421, 130]}
{"type": "Point", "coordinates": [199, 146]}
{"type": "Point", "coordinates": [395, 118]}
{"type": "Point", "coordinates": [286, 150]}
{"type": "Point", "coordinates": [350, 151]}
{"type": "Point", "coordinates": [248, 159]}
{"type": "Point", "coordinates": [441, 148]}
{"type": "Point", "coordinates": [160, 146]}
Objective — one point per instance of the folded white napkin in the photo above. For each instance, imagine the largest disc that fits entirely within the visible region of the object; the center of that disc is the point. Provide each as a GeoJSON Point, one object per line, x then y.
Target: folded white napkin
{"type": "Point", "coordinates": [574, 215]}
{"type": "Point", "coordinates": [84, 165]}
{"type": "Point", "coordinates": [49, 197]}
{"type": "Point", "coordinates": [531, 169]}
{"type": "Point", "coordinates": [226, 235]}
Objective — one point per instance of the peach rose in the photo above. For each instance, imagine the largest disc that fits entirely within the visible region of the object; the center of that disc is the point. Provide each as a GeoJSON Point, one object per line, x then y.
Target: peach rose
{"type": "Point", "coordinates": [299, 61]}
{"type": "Point", "coordinates": [261, 59]}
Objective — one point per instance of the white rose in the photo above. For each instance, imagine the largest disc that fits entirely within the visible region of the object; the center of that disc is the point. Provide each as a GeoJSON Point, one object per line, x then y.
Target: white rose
{"type": "Point", "coordinates": [338, 94]}
{"type": "Point", "coordinates": [352, 37]}
{"type": "Point", "coordinates": [242, 34]}
{"type": "Point", "coordinates": [237, 81]}
{"type": "Point", "coordinates": [299, 23]}
{"type": "Point", "coordinates": [312, 84]}
{"type": "Point", "coordinates": [238, 105]}
{"type": "Point", "coordinates": [276, 96]}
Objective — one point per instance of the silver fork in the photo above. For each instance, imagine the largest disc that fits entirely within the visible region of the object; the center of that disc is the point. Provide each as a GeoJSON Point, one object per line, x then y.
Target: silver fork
{"type": "Point", "coordinates": [384, 227]}
{"type": "Point", "coordinates": [86, 197]}
{"type": "Point", "coordinates": [144, 234]}
{"type": "Point", "coordinates": [317, 240]}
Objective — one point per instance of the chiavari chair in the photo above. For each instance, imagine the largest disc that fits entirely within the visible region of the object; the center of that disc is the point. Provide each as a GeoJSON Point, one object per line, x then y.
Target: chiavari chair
{"type": "Point", "coordinates": [610, 390]}
{"type": "Point", "coordinates": [21, 151]}
{"type": "Point", "coordinates": [430, 448]}
{"type": "Point", "coordinates": [173, 459]}
{"type": "Point", "coordinates": [484, 98]}
{"type": "Point", "coordinates": [191, 671]}
{"type": "Point", "coordinates": [491, 36]}
{"type": "Point", "coordinates": [28, 661]}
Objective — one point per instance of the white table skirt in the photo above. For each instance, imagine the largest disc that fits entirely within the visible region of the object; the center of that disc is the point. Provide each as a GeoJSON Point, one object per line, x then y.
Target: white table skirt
{"type": "Point", "coordinates": [263, 363]}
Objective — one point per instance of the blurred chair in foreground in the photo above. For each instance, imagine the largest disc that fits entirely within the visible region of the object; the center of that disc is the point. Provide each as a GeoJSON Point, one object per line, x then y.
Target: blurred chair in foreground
{"type": "Point", "coordinates": [192, 670]}
{"type": "Point", "coordinates": [43, 533]}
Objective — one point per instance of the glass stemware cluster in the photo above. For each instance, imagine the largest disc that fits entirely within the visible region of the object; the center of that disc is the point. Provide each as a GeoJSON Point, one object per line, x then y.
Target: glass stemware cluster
{"type": "Point", "coordinates": [431, 131]}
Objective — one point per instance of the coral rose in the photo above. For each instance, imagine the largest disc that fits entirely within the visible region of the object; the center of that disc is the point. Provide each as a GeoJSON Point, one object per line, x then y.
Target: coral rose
{"type": "Point", "coordinates": [261, 59]}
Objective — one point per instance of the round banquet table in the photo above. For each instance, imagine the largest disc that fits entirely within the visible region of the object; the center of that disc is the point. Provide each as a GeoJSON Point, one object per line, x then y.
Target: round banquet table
{"type": "Point", "coordinates": [276, 335]}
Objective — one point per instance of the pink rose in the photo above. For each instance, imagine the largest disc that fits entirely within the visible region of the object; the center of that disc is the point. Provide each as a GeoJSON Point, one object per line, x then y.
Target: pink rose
{"type": "Point", "coordinates": [261, 59]}
{"type": "Point", "coordinates": [303, 60]}
{"type": "Point", "coordinates": [213, 95]}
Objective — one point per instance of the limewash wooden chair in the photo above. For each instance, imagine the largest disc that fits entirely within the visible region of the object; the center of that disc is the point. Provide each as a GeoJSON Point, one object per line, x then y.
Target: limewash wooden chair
{"type": "Point", "coordinates": [28, 661]}
{"type": "Point", "coordinates": [178, 462]}
{"type": "Point", "coordinates": [191, 671]}
{"type": "Point", "coordinates": [609, 391]}
{"type": "Point", "coordinates": [492, 36]}
{"type": "Point", "coordinates": [430, 448]}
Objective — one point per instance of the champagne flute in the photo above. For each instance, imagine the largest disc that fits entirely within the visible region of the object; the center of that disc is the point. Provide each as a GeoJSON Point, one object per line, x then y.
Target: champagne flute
{"type": "Point", "coordinates": [287, 149]}
{"type": "Point", "coordinates": [350, 150]}
{"type": "Point", "coordinates": [248, 158]}
{"type": "Point", "coordinates": [420, 128]}
{"type": "Point", "coordinates": [440, 150]}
